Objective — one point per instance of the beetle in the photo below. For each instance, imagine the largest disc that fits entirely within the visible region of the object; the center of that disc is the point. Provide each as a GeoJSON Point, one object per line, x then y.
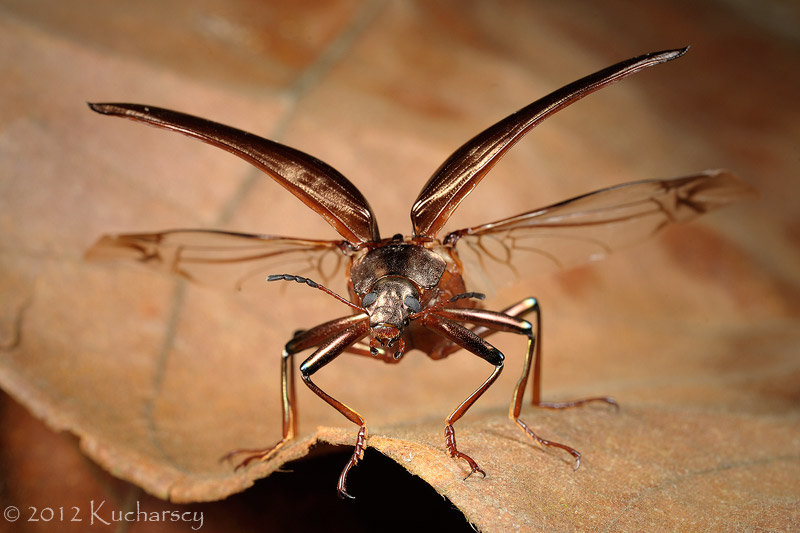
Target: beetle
{"type": "Point", "coordinates": [409, 292]}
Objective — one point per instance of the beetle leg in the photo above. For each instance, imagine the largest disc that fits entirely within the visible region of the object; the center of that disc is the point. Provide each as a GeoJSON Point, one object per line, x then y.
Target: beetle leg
{"type": "Point", "coordinates": [475, 344]}
{"type": "Point", "coordinates": [289, 410]}
{"type": "Point", "coordinates": [361, 348]}
{"type": "Point", "coordinates": [326, 353]}
{"type": "Point", "coordinates": [302, 340]}
{"type": "Point", "coordinates": [532, 305]}
{"type": "Point", "coordinates": [492, 320]}
{"type": "Point", "coordinates": [517, 310]}
{"type": "Point", "coordinates": [520, 309]}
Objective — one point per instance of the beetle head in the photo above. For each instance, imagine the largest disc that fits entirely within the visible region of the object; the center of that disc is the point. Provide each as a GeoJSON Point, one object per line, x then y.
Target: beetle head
{"type": "Point", "coordinates": [389, 304]}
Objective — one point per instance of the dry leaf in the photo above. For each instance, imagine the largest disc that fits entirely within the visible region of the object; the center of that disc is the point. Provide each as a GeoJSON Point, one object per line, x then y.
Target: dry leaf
{"type": "Point", "coordinates": [695, 333]}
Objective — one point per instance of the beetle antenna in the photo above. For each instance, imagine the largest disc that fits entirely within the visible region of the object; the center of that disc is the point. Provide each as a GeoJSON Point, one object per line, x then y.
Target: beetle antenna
{"type": "Point", "coordinates": [315, 285]}
{"type": "Point", "coordinates": [463, 295]}
{"type": "Point", "coordinates": [457, 297]}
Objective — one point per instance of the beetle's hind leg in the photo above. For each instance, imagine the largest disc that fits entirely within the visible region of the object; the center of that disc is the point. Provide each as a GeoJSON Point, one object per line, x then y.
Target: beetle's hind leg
{"type": "Point", "coordinates": [520, 309]}
{"type": "Point", "coordinates": [289, 409]}
{"type": "Point", "coordinates": [531, 305]}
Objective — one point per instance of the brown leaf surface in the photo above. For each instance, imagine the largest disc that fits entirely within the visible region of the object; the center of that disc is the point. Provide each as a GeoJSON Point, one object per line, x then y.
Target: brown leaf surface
{"type": "Point", "coordinates": [696, 333]}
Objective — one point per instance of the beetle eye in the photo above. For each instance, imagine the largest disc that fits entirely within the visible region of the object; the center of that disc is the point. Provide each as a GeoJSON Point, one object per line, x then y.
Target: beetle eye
{"type": "Point", "coordinates": [413, 304]}
{"type": "Point", "coordinates": [369, 299]}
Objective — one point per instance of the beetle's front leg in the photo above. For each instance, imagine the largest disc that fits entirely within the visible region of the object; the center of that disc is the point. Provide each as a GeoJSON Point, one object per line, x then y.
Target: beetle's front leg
{"type": "Point", "coordinates": [475, 344]}
{"type": "Point", "coordinates": [326, 353]}
{"type": "Point", "coordinates": [301, 341]}
{"type": "Point", "coordinates": [486, 320]}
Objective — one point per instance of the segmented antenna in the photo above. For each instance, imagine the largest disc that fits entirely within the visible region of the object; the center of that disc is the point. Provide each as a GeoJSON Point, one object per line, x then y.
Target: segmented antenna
{"type": "Point", "coordinates": [464, 295]}
{"type": "Point", "coordinates": [457, 297]}
{"type": "Point", "coordinates": [313, 284]}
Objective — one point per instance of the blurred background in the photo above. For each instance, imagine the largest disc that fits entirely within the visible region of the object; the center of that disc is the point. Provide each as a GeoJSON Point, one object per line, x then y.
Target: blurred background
{"type": "Point", "coordinates": [155, 379]}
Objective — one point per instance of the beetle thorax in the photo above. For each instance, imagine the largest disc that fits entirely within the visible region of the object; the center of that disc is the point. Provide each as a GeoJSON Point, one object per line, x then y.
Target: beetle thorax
{"type": "Point", "coordinates": [389, 281]}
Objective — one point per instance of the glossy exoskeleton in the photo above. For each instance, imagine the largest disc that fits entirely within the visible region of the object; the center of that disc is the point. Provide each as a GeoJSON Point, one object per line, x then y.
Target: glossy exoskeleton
{"type": "Point", "coordinates": [409, 292]}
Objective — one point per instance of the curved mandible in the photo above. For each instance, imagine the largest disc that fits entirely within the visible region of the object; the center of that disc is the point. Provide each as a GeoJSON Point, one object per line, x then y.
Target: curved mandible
{"type": "Point", "coordinates": [317, 184]}
{"type": "Point", "coordinates": [463, 170]}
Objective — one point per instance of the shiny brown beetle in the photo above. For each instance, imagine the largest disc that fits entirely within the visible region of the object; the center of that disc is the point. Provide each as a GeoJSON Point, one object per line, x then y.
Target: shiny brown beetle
{"type": "Point", "coordinates": [409, 292]}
